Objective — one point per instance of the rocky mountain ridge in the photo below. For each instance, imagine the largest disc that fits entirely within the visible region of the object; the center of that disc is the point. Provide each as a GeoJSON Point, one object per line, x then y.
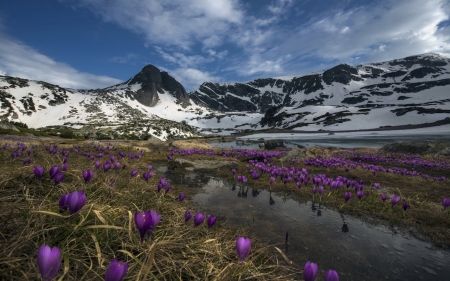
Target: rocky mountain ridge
{"type": "Point", "coordinates": [152, 104]}
{"type": "Point", "coordinates": [340, 85]}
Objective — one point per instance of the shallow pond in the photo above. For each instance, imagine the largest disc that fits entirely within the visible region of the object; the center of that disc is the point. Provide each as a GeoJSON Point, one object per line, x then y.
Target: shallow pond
{"type": "Point", "coordinates": [342, 140]}
{"type": "Point", "coordinates": [357, 250]}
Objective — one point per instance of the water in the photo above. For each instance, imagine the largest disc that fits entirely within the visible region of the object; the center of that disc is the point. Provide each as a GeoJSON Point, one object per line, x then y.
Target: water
{"type": "Point", "coordinates": [342, 140]}
{"type": "Point", "coordinates": [357, 250]}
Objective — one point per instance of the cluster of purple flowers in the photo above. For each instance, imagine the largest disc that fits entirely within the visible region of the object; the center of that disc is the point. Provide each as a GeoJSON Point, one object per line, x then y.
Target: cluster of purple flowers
{"type": "Point", "coordinates": [199, 218]}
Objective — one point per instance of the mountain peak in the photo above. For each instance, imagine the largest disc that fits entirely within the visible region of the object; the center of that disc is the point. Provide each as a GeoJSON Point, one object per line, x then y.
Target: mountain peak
{"type": "Point", "coordinates": [153, 82]}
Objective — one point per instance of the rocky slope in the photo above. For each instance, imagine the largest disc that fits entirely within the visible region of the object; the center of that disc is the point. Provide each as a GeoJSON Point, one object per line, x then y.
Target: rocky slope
{"type": "Point", "coordinates": [411, 90]}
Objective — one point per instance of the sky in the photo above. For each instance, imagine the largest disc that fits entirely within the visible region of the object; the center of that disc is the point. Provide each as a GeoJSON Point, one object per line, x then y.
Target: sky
{"type": "Point", "coordinates": [89, 44]}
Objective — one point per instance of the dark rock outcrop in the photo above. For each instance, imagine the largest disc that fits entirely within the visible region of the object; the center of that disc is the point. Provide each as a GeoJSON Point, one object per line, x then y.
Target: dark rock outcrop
{"type": "Point", "coordinates": [418, 147]}
{"type": "Point", "coordinates": [342, 73]}
{"type": "Point", "coordinates": [154, 82]}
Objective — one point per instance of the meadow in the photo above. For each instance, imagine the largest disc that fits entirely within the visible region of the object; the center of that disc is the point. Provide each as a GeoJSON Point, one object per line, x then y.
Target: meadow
{"type": "Point", "coordinates": [401, 190]}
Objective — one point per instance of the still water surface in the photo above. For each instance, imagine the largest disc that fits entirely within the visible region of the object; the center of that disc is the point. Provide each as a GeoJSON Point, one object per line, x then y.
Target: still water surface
{"type": "Point", "coordinates": [374, 140]}
{"type": "Point", "coordinates": [357, 250]}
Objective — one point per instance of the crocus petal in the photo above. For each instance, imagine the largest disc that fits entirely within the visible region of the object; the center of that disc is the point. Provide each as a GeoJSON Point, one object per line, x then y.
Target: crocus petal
{"type": "Point", "coordinates": [48, 261]}
{"type": "Point", "coordinates": [243, 247]}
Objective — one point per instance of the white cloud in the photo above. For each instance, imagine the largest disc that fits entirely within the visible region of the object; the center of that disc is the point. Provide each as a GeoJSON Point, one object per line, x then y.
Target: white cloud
{"type": "Point", "coordinates": [171, 22]}
{"type": "Point", "coordinates": [124, 59]}
{"type": "Point", "coordinates": [382, 31]}
{"type": "Point", "coordinates": [184, 61]}
{"type": "Point", "coordinates": [280, 6]}
{"type": "Point", "coordinates": [19, 60]}
{"type": "Point", "coordinates": [191, 78]}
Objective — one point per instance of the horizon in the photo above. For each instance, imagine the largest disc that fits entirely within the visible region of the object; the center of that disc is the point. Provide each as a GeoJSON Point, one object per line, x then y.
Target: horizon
{"type": "Point", "coordinates": [93, 44]}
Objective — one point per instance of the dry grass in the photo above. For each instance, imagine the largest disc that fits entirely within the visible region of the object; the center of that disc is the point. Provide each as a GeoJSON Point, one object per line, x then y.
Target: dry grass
{"type": "Point", "coordinates": [104, 228]}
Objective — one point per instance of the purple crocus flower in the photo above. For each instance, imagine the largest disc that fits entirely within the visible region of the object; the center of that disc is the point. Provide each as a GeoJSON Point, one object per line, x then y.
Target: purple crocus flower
{"type": "Point", "coordinates": [154, 220]}
{"type": "Point", "coordinates": [38, 172]}
{"type": "Point", "coordinates": [405, 206]}
{"type": "Point", "coordinates": [97, 164]}
{"type": "Point", "coordinates": [383, 197]}
{"type": "Point", "coordinates": [320, 190]}
{"type": "Point", "coordinates": [348, 195]}
{"type": "Point", "coordinates": [58, 178]}
{"type": "Point", "coordinates": [211, 221]}
{"type": "Point", "coordinates": [53, 171]}
{"type": "Point", "coordinates": [146, 222]}
{"type": "Point", "coordinates": [376, 185]}
{"type": "Point", "coordinates": [181, 197]}
{"type": "Point", "coordinates": [198, 219]}
{"type": "Point", "coordinates": [243, 247]}
{"type": "Point", "coordinates": [187, 216]}
{"type": "Point", "coordinates": [310, 271]}
{"type": "Point", "coordinates": [446, 203]}
{"type": "Point", "coordinates": [168, 187]}
{"type": "Point", "coordinates": [116, 270]}
{"type": "Point", "coordinates": [143, 221]}
{"type": "Point", "coordinates": [272, 180]}
{"type": "Point", "coordinates": [149, 167]}
{"type": "Point", "coordinates": [63, 202]}
{"type": "Point", "coordinates": [116, 165]}
{"type": "Point", "coordinates": [106, 166]}
{"type": "Point", "coordinates": [331, 275]}
{"type": "Point", "coordinates": [395, 199]}
{"type": "Point", "coordinates": [133, 173]}
{"type": "Point", "coordinates": [146, 176]}
{"type": "Point", "coordinates": [87, 175]}
{"type": "Point", "coordinates": [48, 261]}
{"type": "Point", "coordinates": [233, 171]}
{"type": "Point", "coordinates": [314, 190]}
{"type": "Point", "coordinates": [64, 166]}
{"type": "Point", "coordinates": [76, 201]}
{"type": "Point", "coordinates": [360, 194]}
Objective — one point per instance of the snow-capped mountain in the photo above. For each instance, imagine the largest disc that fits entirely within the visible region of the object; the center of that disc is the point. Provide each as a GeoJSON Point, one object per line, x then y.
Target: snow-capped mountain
{"type": "Point", "coordinates": [412, 90]}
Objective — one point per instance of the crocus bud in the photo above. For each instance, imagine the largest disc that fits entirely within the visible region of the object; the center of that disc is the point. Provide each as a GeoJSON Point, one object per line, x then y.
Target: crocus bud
{"type": "Point", "coordinates": [87, 175]}
{"type": "Point", "coordinates": [348, 195]}
{"type": "Point", "coordinates": [38, 172]}
{"type": "Point", "coordinates": [116, 270]}
{"type": "Point", "coordinates": [243, 247]}
{"type": "Point", "coordinates": [446, 203]}
{"type": "Point", "coordinates": [310, 271]}
{"type": "Point", "coordinates": [58, 178]}
{"type": "Point", "coordinates": [187, 216]}
{"type": "Point", "coordinates": [181, 197]}
{"type": "Point", "coordinates": [211, 221]}
{"type": "Point", "coordinates": [331, 275]}
{"type": "Point", "coordinates": [198, 219]}
{"type": "Point", "coordinates": [53, 171]}
{"type": "Point", "coordinates": [48, 261]}
{"type": "Point", "coordinates": [76, 201]}
{"type": "Point", "coordinates": [63, 202]}
{"type": "Point", "coordinates": [395, 199]}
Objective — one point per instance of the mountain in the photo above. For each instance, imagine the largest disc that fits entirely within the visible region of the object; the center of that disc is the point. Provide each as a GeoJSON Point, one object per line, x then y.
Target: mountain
{"type": "Point", "coordinates": [147, 101]}
{"type": "Point", "coordinates": [146, 85]}
{"type": "Point", "coordinates": [152, 104]}
{"type": "Point", "coordinates": [411, 90]}
{"type": "Point", "coordinates": [340, 85]}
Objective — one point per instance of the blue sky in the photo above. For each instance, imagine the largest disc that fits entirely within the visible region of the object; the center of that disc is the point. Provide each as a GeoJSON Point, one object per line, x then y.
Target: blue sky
{"type": "Point", "coordinates": [98, 43]}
